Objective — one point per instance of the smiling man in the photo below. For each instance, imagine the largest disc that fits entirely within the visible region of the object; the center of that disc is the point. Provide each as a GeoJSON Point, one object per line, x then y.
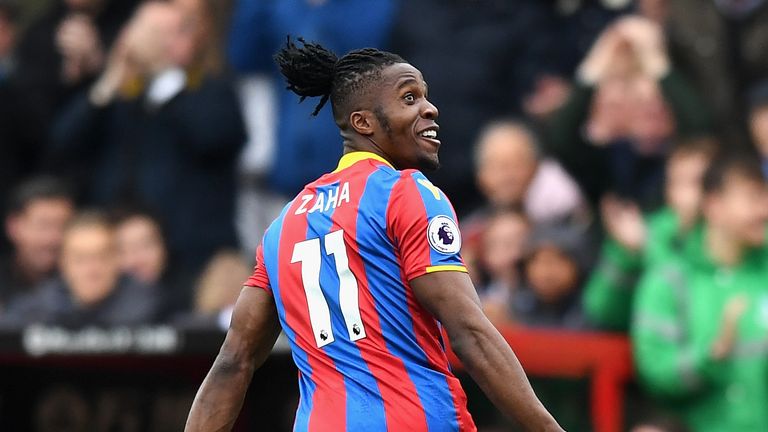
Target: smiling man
{"type": "Point", "coordinates": [362, 271]}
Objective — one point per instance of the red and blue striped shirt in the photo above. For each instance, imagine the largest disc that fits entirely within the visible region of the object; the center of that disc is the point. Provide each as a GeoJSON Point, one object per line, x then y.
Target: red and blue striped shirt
{"type": "Point", "coordinates": [337, 261]}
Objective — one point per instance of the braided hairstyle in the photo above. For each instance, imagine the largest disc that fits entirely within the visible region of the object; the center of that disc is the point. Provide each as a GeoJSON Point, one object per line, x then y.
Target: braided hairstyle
{"type": "Point", "coordinates": [313, 71]}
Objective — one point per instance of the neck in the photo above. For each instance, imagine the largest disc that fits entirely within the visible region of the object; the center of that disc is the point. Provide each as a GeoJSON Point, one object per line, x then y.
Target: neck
{"type": "Point", "coordinates": [365, 144]}
{"type": "Point", "coordinates": [723, 248]}
{"type": "Point", "coordinates": [28, 272]}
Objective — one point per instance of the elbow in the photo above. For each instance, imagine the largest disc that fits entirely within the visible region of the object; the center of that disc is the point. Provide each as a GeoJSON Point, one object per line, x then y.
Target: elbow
{"type": "Point", "coordinates": [468, 343]}
{"type": "Point", "coordinates": [230, 363]}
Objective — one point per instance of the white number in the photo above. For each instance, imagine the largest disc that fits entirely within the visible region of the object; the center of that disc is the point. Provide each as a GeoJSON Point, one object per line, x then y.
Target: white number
{"type": "Point", "coordinates": [308, 253]}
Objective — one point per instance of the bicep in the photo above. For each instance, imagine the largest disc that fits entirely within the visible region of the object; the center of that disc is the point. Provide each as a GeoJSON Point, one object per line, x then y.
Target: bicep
{"type": "Point", "coordinates": [254, 327]}
{"type": "Point", "coordinates": [450, 297]}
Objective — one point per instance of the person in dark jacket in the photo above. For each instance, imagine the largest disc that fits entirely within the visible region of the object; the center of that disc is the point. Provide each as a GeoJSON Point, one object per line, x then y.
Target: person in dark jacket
{"type": "Point", "coordinates": [37, 213]}
{"type": "Point", "coordinates": [91, 290]}
{"type": "Point", "coordinates": [19, 147]}
{"type": "Point", "coordinates": [628, 105]}
{"type": "Point", "coordinates": [64, 50]}
{"type": "Point", "coordinates": [143, 254]}
{"type": "Point", "coordinates": [160, 130]}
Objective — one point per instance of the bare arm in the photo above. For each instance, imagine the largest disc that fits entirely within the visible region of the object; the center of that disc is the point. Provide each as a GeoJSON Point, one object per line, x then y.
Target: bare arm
{"type": "Point", "coordinates": [250, 339]}
{"type": "Point", "coordinates": [452, 299]}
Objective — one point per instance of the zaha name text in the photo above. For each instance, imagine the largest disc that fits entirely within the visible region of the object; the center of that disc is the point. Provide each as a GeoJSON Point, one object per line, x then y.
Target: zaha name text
{"type": "Point", "coordinates": [324, 200]}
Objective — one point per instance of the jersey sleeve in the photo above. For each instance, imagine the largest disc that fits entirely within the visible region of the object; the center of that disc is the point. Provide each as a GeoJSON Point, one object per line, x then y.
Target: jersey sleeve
{"type": "Point", "coordinates": [259, 278]}
{"type": "Point", "coordinates": [422, 225]}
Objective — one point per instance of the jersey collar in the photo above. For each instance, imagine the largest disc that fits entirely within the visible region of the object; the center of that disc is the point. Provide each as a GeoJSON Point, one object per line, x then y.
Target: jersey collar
{"type": "Point", "coordinates": [351, 158]}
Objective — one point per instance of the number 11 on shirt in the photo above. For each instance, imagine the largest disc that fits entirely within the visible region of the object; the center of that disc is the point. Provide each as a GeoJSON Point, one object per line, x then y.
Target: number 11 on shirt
{"type": "Point", "coordinates": [308, 254]}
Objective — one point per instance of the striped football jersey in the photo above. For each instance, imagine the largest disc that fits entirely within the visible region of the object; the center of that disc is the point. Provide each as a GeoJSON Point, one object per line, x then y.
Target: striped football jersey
{"type": "Point", "coordinates": [338, 261]}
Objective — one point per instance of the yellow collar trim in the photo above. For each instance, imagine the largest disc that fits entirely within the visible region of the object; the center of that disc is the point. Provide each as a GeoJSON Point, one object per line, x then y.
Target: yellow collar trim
{"type": "Point", "coordinates": [352, 158]}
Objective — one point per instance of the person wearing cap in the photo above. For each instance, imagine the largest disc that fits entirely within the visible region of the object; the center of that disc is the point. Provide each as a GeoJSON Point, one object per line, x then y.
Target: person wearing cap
{"type": "Point", "coordinates": [553, 269]}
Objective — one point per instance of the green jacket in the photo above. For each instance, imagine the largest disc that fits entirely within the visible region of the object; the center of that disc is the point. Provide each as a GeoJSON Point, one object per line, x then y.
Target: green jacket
{"type": "Point", "coordinates": [677, 317]}
{"type": "Point", "coordinates": [610, 289]}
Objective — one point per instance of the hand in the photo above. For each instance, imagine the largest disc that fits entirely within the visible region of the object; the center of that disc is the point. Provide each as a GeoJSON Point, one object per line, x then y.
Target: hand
{"type": "Point", "coordinates": [732, 314]}
{"type": "Point", "coordinates": [624, 222]}
{"type": "Point", "coordinates": [118, 70]}
{"type": "Point", "coordinates": [550, 93]}
{"type": "Point", "coordinates": [648, 42]}
{"type": "Point", "coordinates": [77, 39]}
{"type": "Point", "coordinates": [598, 62]}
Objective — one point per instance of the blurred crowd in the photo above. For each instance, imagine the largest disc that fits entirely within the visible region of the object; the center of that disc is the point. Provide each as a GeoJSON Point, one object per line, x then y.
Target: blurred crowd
{"type": "Point", "coordinates": [607, 160]}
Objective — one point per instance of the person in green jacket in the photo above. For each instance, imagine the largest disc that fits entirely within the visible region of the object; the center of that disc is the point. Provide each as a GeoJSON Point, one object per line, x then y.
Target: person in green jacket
{"type": "Point", "coordinates": [634, 242]}
{"type": "Point", "coordinates": [700, 321]}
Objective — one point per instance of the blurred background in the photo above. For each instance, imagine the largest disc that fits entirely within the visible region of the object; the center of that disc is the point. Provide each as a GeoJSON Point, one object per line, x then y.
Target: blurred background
{"type": "Point", "coordinates": [607, 160]}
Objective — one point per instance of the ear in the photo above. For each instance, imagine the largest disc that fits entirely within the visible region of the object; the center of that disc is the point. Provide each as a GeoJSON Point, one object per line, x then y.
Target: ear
{"type": "Point", "coordinates": [12, 223]}
{"type": "Point", "coordinates": [363, 122]}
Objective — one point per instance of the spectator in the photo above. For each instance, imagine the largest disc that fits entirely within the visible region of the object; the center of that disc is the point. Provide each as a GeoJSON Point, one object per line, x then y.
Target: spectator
{"type": "Point", "coordinates": [18, 147]}
{"type": "Point", "coordinates": [512, 174]}
{"type": "Point", "coordinates": [554, 270]}
{"type": "Point", "coordinates": [758, 121]}
{"type": "Point", "coordinates": [636, 242]}
{"type": "Point", "coordinates": [38, 211]}
{"type": "Point", "coordinates": [205, 16]}
{"type": "Point", "coordinates": [503, 246]}
{"type": "Point", "coordinates": [627, 105]}
{"type": "Point", "coordinates": [164, 133]}
{"type": "Point", "coordinates": [91, 290]}
{"type": "Point", "coordinates": [216, 292]}
{"type": "Point", "coordinates": [8, 21]}
{"type": "Point", "coordinates": [720, 45]}
{"type": "Point", "coordinates": [699, 321]}
{"type": "Point", "coordinates": [574, 27]}
{"type": "Point", "coordinates": [64, 50]}
{"type": "Point", "coordinates": [143, 255]}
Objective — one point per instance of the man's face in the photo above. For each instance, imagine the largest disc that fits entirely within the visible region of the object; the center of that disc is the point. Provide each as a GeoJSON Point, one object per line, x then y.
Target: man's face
{"type": "Point", "coordinates": [7, 36]}
{"type": "Point", "coordinates": [758, 124]}
{"type": "Point", "coordinates": [406, 132]}
{"type": "Point", "coordinates": [157, 37]}
{"type": "Point", "coordinates": [740, 209]}
{"type": "Point", "coordinates": [506, 165]}
{"type": "Point", "coordinates": [89, 263]}
{"type": "Point", "coordinates": [503, 243]}
{"type": "Point", "coordinates": [683, 185]}
{"type": "Point", "coordinates": [141, 250]}
{"type": "Point", "coordinates": [36, 233]}
{"type": "Point", "coordinates": [553, 275]}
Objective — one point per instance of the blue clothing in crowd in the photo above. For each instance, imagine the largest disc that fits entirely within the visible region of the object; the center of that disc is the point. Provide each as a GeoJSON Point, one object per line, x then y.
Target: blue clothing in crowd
{"type": "Point", "coordinates": [305, 149]}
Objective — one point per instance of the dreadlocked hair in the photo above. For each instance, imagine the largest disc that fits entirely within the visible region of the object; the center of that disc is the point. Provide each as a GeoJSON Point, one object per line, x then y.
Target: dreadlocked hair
{"type": "Point", "coordinates": [313, 71]}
